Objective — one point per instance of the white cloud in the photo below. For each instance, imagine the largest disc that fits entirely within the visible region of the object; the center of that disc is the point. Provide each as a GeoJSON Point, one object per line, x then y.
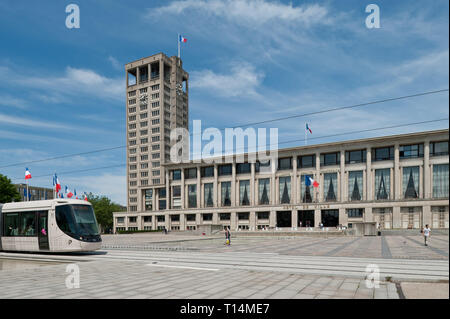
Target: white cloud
{"type": "Point", "coordinates": [248, 11]}
{"type": "Point", "coordinates": [242, 81]}
{"type": "Point", "coordinates": [10, 101]}
{"type": "Point", "coordinates": [7, 119]}
{"type": "Point", "coordinates": [115, 63]}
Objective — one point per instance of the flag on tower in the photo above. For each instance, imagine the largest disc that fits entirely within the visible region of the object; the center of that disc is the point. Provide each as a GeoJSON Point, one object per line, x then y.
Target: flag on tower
{"type": "Point", "coordinates": [182, 39]}
{"type": "Point", "coordinates": [68, 193]}
{"type": "Point", "coordinates": [308, 128]}
{"type": "Point", "coordinates": [27, 174]}
{"type": "Point", "coordinates": [56, 183]}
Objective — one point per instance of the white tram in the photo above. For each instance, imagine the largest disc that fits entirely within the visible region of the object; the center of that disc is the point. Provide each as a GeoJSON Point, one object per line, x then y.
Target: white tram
{"type": "Point", "coordinates": [58, 225]}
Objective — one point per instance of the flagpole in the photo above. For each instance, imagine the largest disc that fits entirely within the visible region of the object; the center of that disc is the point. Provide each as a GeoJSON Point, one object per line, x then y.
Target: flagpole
{"type": "Point", "coordinates": [28, 194]}
{"type": "Point", "coordinates": [178, 46]}
{"type": "Point", "coordinates": [306, 137]}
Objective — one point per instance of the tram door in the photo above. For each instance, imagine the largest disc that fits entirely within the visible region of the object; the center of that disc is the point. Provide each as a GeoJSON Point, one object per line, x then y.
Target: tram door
{"type": "Point", "coordinates": [43, 230]}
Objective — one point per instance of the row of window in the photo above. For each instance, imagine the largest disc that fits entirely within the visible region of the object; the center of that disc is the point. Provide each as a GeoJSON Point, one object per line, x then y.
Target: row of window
{"type": "Point", "coordinates": [307, 161]}
{"type": "Point", "coordinates": [382, 183]}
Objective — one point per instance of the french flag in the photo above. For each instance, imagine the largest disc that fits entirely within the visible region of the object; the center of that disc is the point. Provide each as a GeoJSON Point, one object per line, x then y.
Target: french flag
{"type": "Point", "coordinates": [27, 174]}
{"type": "Point", "coordinates": [182, 39]}
{"type": "Point", "coordinates": [308, 128]}
{"type": "Point", "coordinates": [309, 181]}
{"type": "Point", "coordinates": [56, 183]}
{"type": "Point", "coordinates": [68, 193]}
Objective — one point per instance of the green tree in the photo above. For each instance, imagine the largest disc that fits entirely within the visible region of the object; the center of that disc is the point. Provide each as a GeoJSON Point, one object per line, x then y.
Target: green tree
{"type": "Point", "coordinates": [8, 192]}
{"type": "Point", "coordinates": [104, 208]}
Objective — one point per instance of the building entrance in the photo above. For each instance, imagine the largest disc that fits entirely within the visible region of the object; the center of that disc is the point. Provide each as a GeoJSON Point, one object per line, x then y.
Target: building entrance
{"type": "Point", "coordinates": [284, 219]}
{"type": "Point", "coordinates": [306, 218]}
{"type": "Point", "coordinates": [330, 217]}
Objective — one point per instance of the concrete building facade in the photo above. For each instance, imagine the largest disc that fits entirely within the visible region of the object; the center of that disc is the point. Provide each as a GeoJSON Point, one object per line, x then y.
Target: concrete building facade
{"type": "Point", "coordinates": [34, 192]}
{"type": "Point", "coordinates": [399, 181]}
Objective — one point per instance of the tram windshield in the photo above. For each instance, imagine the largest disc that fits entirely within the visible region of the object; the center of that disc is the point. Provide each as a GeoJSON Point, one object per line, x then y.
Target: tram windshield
{"type": "Point", "coordinates": [77, 220]}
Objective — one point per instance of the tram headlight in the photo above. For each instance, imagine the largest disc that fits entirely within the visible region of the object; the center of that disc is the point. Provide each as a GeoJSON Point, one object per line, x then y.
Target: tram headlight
{"type": "Point", "coordinates": [81, 237]}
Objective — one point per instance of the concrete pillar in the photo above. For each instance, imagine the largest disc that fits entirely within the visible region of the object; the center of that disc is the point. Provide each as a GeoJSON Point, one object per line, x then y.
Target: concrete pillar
{"type": "Point", "coordinates": [294, 184]}
{"type": "Point", "coordinates": [182, 221]}
{"type": "Point", "coordinates": [233, 221]}
{"type": "Point", "coordinates": [343, 218]}
{"type": "Point", "coordinates": [273, 186]}
{"type": "Point", "coordinates": [294, 218]}
{"type": "Point", "coordinates": [319, 179]}
{"type": "Point", "coordinates": [368, 215]}
{"type": "Point", "coordinates": [253, 191]}
{"type": "Point", "coordinates": [167, 220]}
{"type": "Point", "coordinates": [427, 216]}
{"type": "Point", "coordinates": [154, 222]}
{"type": "Point", "coordinates": [252, 221]}
{"type": "Point", "coordinates": [215, 219]}
{"type": "Point", "coordinates": [427, 171]}
{"type": "Point", "coordinates": [216, 188]}
{"type": "Point", "coordinates": [183, 191]}
{"type": "Point", "coordinates": [368, 194]}
{"type": "Point", "coordinates": [397, 175]}
{"type": "Point", "coordinates": [233, 184]}
{"type": "Point", "coordinates": [342, 191]}
{"type": "Point", "coordinates": [153, 199]}
{"type": "Point", "coordinates": [168, 196]}
{"type": "Point", "coordinates": [396, 218]}
{"type": "Point", "coordinates": [198, 219]}
{"type": "Point", "coordinates": [199, 189]}
{"type": "Point", "coordinates": [317, 217]}
{"type": "Point", "coordinates": [421, 180]}
{"type": "Point", "coordinates": [272, 218]}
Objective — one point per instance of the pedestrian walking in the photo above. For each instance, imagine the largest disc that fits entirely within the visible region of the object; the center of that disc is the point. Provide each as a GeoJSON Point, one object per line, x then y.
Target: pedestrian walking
{"type": "Point", "coordinates": [227, 237]}
{"type": "Point", "coordinates": [426, 234]}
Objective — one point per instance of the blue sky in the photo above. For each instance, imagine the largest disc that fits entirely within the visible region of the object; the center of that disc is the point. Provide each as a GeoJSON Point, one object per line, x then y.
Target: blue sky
{"type": "Point", "coordinates": [62, 91]}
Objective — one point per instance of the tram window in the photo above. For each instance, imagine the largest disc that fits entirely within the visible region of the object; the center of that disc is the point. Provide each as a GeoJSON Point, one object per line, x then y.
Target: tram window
{"type": "Point", "coordinates": [27, 224]}
{"type": "Point", "coordinates": [64, 219]}
{"type": "Point", "coordinates": [11, 224]}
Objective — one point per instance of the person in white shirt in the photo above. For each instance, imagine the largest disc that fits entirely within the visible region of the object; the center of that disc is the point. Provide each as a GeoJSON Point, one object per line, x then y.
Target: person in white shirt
{"type": "Point", "coordinates": [426, 234]}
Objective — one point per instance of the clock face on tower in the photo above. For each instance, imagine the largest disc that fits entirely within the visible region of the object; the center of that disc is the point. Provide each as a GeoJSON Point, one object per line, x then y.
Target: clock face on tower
{"type": "Point", "coordinates": [179, 88]}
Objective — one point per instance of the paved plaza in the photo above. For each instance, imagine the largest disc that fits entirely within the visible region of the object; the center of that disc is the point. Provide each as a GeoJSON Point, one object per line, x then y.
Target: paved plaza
{"type": "Point", "coordinates": [184, 266]}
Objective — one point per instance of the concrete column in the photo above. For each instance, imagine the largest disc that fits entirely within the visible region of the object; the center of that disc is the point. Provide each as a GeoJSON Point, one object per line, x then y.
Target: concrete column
{"type": "Point", "coordinates": [216, 187]}
{"type": "Point", "coordinates": [198, 219]}
{"type": "Point", "coordinates": [294, 185]}
{"type": "Point", "coordinates": [199, 189]}
{"type": "Point", "coordinates": [215, 219]}
{"type": "Point", "coordinates": [368, 215]}
{"type": "Point", "coordinates": [253, 191]}
{"type": "Point", "coordinates": [317, 217]}
{"type": "Point", "coordinates": [168, 195]}
{"type": "Point", "coordinates": [397, 175]}
{"type": "Point", "coordinates": [319, 179]}
{"type": "Point", "coordinates": [427, 216]}
{"type": "Point", "coordinates": [252, 221]}
{"type": "Point", "coordinates": [368, 194]}
{"type": "Point", "coordinates": [342, 192]}
{"type": "Point", "coordinates": [427, 171]}
{"type": "Point", "coordinates": [233, 221]}
{"type": "Point", "coordinates": [294, 218]}
{"type": "Point", "coordinates": [233, 184]}
{"type": "Point", "coordinates": [182, 221]}
{"type": "Point", "coordinates": [139, 221]}
{"type": "Point", "coordinates": [272, 218]}
{"type": "Point", "coordinates": [167, 221]}
{"type": "Point", "coordinates": [396, 218]}
{"type": "Point", "coordinates": [154, 199]}
{"type": "Point", "coordinates": [343, 218]}
{"type": "Point", "coordinates": [273, 188]}
{"type": "Point", "coordinates": [183, 191]}
{"type": "Point", "coordinates": [421, 180]}
{"type": "Point", "coordinates": [154, 222]}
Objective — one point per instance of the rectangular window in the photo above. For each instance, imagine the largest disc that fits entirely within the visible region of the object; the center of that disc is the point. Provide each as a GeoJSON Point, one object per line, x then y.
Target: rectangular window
{"type": "Point", "coordinates": [175, 218]}
{"type": "Point", "coordinates": [148, 195]}
{"type": "Point", "coordinates": [330, 159]}
{"type": "Point", "coordinates": [243, 168]}
{"type": "Point", "coordinates": [285, 189]}
{"type": "Point", "coordinates": [306, 161]}
{"type": "Point", "coordinates": [225, 193]}
{"type": "Point", "coordinates": [243, 216]}
{"type": "Point", "coordinates": [411, 151]}
{"type": "Point", "coordinates": [207, 171]}
{"type": "Point", "coordinates": [355, 212]}
{"type": "Point", "coordinates": [352, 157]}
{"type": "Point", "coordinates": [190, 217]}
{"type": "Point", "coordinates": [263, 167]}
{"type": "Point", "coordinates": [410, 182]}
{"type": "Point", "coordinates": [190, 173]}
{"type": "Point", "coordinates": [330, 187]}
{"type": "Point", "coordinates": [382, 184]}
{"type": "Point", "coordinates": [162, 204]}
{"type": "Point", "coordinates": [224, 216]}
{"type": "Point", "coordinates": [144, 132]}
{"type": "Point", "coordinates": [176, 175]}
{"type": "Point", "coordinates": [192, 196]}
{"type": "Point", "coordinates": [244, 193]}
{"type": "Point", "coordinates": [161, 218]}
{"type": "Point", "coordinates": [284, 163]}
{"type": "Point", "coordinates": [225, 169]}
{"type": "Point", "coordinates": [120, 220]}
{"type": "Point", "coordinates": [264, 191]}
{"type": "Point", "coordinates": [440, 181]}
{"type": "Point", "coordinates": [262, 215]}
{"type": "Point", "coordinates": [307, 192]}
{"type": "Point", "coordinates": [143, 124]}
{"type": "Point", "coordinates": [207, 217]}
{"type": "Point", "coordinates": [439, 148]}
{"type": "Point", "coordinates": [383, 154]}
{"type": "Point", "coordinates": [176, 191]}
{"type": "Point", "coordinates": [208, 195]}
{"type": "Point", "coordinates": [147, 219]}
{"type": "Point", "coordinates": [355, 185]}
